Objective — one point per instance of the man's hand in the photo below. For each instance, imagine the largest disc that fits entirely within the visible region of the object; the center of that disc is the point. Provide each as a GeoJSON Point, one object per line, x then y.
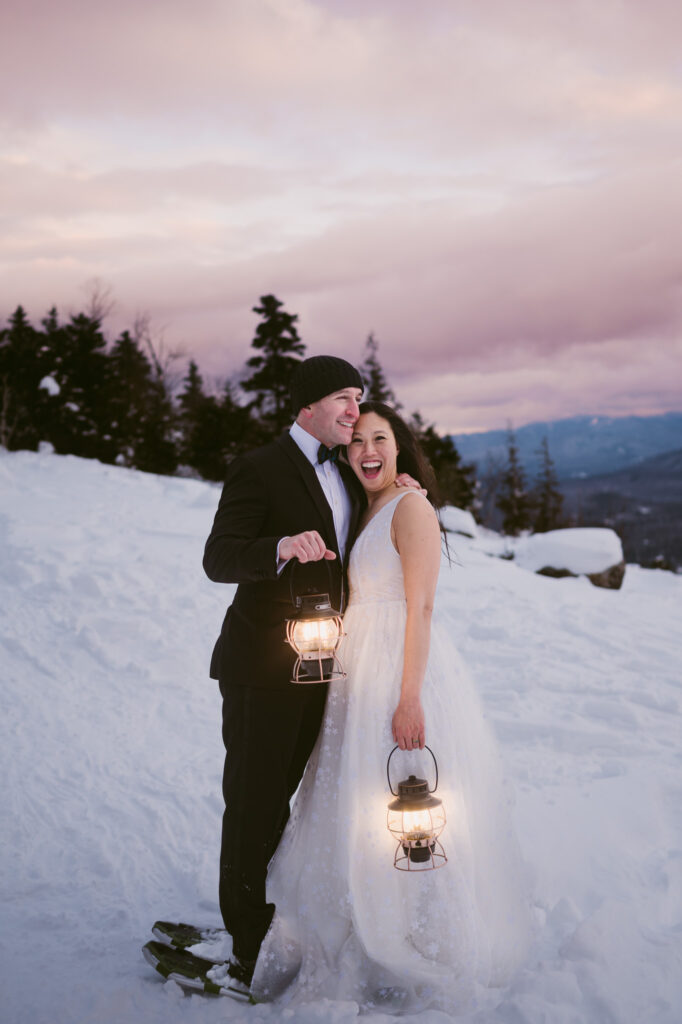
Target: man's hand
{"type": "Point", "coordinates": [307, 547]}
{"type": "Point", "coordinates": [405, 480]}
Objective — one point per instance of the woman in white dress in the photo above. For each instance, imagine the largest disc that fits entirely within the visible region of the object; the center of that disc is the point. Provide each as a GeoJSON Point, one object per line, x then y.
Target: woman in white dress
{"type": "Point", "coordinates": [348, 925]}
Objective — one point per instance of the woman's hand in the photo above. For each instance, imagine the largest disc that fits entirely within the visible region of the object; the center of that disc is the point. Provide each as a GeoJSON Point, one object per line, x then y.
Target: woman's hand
{"type": "Point", "coordinates": [408, 725]}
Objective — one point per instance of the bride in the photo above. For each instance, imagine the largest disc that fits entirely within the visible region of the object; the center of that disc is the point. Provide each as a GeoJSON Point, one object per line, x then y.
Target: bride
{"type": "Point", "coordinates": [348, 926]}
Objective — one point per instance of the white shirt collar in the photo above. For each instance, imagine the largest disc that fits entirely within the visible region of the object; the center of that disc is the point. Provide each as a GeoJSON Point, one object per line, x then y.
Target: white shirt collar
{"type": "Point", "coordinates": [306, 442]}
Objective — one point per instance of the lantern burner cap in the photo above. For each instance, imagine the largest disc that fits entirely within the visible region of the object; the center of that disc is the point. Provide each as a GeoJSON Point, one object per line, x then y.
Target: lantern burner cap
{"type": "Point", "coordinates": [413, 787]}
{"type": "Point", "coordinates": [315, 606]}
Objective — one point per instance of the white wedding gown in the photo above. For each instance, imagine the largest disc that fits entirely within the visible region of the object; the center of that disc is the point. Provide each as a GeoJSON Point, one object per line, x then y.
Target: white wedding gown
{"type": "Point", "coordinates": [348, 925]}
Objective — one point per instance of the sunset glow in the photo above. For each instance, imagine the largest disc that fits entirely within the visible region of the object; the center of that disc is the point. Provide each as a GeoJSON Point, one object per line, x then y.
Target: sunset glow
{"type": "Point", "coordinates": [493, 189]}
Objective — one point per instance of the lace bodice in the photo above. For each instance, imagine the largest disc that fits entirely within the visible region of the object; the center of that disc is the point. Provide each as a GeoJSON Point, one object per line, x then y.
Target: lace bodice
{"type": "Point", "coordinates": [374, 570]}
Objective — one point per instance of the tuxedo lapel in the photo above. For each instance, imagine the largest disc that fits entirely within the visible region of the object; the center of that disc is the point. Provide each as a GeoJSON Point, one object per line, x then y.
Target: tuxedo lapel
{"type": "Point", "coordinates": [307, 472]}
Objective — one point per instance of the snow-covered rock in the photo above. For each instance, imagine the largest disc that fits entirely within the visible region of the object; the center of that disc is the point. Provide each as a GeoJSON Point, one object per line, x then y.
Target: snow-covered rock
{"type": "Point", "coordinates": [457, 520]}
{"type": "Point", "coordinates": [50, 385]}
{"type": "Point", "coordinates": [595, 552]}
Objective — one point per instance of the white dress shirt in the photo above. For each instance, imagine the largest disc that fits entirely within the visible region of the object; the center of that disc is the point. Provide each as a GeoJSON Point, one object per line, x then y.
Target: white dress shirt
{"type": "Point", "coordinates": [332, 485]}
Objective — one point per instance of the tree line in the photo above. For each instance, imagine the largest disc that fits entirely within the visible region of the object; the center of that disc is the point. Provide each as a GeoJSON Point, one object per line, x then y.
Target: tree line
{"type": "Point", "coordinates": [123, 402]}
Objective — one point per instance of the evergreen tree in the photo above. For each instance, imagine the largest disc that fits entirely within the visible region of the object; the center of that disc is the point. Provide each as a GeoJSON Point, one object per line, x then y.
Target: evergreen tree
{"type": "Point", "coordinates": [512, 500]}
{"type": "Point", "coordinates": [22, 367]}
{"type": "Point", "coordinates": [213, 429]}
{"type": "Point", "coordinates": [192, 404]}
{"type": "Point", "coordinates": [377, 388]}
{"type": "Point", "coordinates": [191, 399]}
{"type": "Point", "coordinates": [547, 498]}
{"type": "Point", "coordinates": [240, 430]}
{"type": "Point", "coordinates": [76, 356]}
{"type": "Point", "coordinates": [278, 340]}
{"type": "Point", "coordinates": [157, 450]}
{"type": "Point", "coordinates": [456, 480]}
{"type": "Point", "coordinates": [201, 428]}
{"type": "Point", "coordinates": [140, 414]}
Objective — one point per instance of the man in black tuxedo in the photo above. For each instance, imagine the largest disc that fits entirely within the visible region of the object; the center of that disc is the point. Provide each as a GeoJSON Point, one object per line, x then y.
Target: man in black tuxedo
{"type": "Point", "coordinates": [288, 503]}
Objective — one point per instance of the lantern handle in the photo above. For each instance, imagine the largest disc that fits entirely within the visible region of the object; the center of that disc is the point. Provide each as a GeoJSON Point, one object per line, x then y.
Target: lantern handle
{"type": "Point", "coordinates": [388, 763]}
{"type": "Point", "coordinates": [296, 600]}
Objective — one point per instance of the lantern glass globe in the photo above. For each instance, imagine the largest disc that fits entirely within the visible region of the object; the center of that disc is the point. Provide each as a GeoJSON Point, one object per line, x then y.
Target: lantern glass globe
{"type": "Point", "coordinates": [313, 635]}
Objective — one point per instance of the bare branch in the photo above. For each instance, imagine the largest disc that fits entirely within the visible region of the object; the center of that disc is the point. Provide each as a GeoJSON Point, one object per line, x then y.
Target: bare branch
{"type": "Point", "coordinates": [162, 358]}
{"type": "Point", "coordinates": [100, 299]}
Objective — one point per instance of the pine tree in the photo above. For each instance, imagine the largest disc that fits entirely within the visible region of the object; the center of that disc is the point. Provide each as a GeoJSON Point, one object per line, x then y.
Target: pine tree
{"type": "Point", "coordinates": [281, 347]}
{"type": "Point", "coordinates": [213, 429]}
{"type": "Point", "coordinates": [377, 388]}
{"type": "Point", "coordinates": [132, 400]}
{"type": "Point", "coordinates": [76, 355]}
{"type": "Point", "coordinates": [191, 398]}
{"type": "Point", "coordinates": [191, 406]}
{"type": "Point", "coordinates": [513, 501]}
{"type": "Point", "coordinates": [241, 431]}
{"type": "Point", "coordinates": [22, 367]}
{"type": "Point", "coordinates": [456, 480]}
{"type": "Point", "coordinates": [547, 498]}
{"type": "Point", "coordinates": [157, 450]}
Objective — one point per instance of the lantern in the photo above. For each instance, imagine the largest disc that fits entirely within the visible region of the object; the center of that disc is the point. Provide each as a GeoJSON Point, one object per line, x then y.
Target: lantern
{"type": "Point", "coordinates": [315, 632]}
{"type": "Point", "coordinates": [415, 819]}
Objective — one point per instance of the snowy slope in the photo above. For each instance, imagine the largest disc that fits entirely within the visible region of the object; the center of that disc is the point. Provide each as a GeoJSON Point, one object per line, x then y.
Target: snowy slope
{"type": "Point", "coordinates": [111, 757]}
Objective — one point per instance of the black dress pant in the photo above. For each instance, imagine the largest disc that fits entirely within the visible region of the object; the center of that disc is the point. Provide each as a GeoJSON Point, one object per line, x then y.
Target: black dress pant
{"type": "Point", "coordinates": [268, 736]}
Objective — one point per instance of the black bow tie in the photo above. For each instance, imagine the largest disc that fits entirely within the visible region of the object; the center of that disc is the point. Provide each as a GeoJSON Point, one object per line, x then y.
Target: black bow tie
{"type": "Point", "coordinates": [324, 453]}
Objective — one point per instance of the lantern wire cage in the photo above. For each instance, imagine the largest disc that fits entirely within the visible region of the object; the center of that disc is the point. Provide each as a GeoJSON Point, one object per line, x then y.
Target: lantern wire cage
{"type": "Point", "coordinates": [425, 846]}
{"type": "Point", "coordinates": [315, 633]}
{"type": "Point", "coordinates": [317, 660]}
{"type": "Point", "coordinates": [416, 819]}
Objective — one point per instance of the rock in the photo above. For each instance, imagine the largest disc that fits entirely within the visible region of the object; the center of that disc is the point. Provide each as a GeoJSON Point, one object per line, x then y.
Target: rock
{"type": "Point", "coordinates": [594, 552]}
{"type": "Point", "coordinates": [611, 578]}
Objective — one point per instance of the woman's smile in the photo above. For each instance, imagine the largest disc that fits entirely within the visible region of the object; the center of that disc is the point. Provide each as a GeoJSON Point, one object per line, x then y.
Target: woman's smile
{"type": "Point", "coordinates": [371, 469]}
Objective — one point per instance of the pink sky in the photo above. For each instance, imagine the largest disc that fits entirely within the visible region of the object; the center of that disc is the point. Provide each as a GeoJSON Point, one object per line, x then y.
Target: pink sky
{"type": "Point", "coordinates": [493, 188]}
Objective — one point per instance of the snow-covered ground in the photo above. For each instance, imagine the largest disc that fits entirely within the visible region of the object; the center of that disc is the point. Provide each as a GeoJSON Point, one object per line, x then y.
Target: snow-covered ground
{"type": "Point", "coordinates": [111, 757]}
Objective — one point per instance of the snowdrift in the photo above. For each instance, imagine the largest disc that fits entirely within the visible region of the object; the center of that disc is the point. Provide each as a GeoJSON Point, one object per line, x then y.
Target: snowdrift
{"type": "Point", "coordinates": [111, 756]}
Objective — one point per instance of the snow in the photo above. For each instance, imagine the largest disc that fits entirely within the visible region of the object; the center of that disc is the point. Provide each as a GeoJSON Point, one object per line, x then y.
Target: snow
{"type": "Point", "coordinates": [111, 758]}
{"type": "Point", "coordinates": [581, 550]}
{"type": "Point", "coordinates": [50, 385]}
{"type": "Point", "coordinates": [458, 520]}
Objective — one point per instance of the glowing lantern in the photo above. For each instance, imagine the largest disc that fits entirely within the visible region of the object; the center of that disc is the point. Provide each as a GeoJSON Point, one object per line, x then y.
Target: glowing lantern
{"type": "Point", "coordinates": [415, 819]}
{"type": "Point", "coordinates": [315, 633]}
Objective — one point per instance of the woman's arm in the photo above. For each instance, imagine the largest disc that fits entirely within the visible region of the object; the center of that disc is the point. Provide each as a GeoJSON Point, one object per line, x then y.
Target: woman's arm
{"type": "Point", "coordinates": [416, 535]}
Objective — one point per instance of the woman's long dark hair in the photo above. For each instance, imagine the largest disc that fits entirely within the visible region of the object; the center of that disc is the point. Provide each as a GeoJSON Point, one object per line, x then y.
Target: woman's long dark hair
{"type": "Point", "coordinates": [411, 458]}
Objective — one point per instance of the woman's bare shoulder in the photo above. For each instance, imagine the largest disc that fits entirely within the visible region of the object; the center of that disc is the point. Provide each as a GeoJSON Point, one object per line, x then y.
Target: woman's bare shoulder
{"type": "Point", "coordinates": [414, 509]}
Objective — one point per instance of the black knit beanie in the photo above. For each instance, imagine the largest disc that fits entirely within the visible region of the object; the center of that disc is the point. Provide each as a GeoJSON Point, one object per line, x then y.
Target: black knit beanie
{"type": "Point", "coordinates": [319, 376]}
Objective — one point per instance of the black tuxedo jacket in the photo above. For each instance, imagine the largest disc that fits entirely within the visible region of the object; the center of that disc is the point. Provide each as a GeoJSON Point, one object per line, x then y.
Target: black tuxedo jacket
{"type": "Point", "coordinates": [270, 493]}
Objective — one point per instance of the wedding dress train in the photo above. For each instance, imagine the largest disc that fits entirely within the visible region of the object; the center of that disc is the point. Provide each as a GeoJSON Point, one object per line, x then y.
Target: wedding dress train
{"type": "Point", "coordinates": [348, 925]}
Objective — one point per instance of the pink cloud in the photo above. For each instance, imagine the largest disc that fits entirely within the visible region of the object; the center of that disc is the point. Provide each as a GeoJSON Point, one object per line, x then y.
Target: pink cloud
{"type": "Point", "coordinates": [494, 189]}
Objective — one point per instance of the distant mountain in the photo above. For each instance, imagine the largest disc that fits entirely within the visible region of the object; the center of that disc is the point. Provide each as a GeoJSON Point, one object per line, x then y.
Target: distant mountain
{"type": "Point", "coordinates": [658, 479]}
{"type": "Point", "coordinates": [582, 445]}
{"type": "Point", "coordinates": [643, 503]}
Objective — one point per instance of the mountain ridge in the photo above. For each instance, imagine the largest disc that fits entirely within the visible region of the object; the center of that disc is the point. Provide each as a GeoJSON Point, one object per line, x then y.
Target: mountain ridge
{"type": "Point", "coordinates": [580, 446]}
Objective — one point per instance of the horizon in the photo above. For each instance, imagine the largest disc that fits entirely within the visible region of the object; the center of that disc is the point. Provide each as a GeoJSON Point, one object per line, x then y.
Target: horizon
{"type": "Point", "coordinates": [577, 416]}
{"type": "Point", "coordinates": [489, 189]}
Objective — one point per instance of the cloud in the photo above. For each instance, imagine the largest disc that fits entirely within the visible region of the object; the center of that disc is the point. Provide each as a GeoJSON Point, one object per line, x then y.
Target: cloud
{"type": "Point", "coordinates": [37, 191]}
{"type": "Point", "coordinates": [617, 378]}
{"type": "Point", "coordinates": [491, 188]}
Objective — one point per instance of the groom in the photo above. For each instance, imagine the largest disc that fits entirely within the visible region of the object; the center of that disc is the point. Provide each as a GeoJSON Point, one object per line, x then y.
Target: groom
{"type": "Point", "coordinates": [290, 500]}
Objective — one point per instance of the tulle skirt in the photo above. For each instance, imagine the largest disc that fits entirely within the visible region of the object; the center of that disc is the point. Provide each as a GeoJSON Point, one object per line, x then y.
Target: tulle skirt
{"type": "Point", "coordinates": [348, 925]}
